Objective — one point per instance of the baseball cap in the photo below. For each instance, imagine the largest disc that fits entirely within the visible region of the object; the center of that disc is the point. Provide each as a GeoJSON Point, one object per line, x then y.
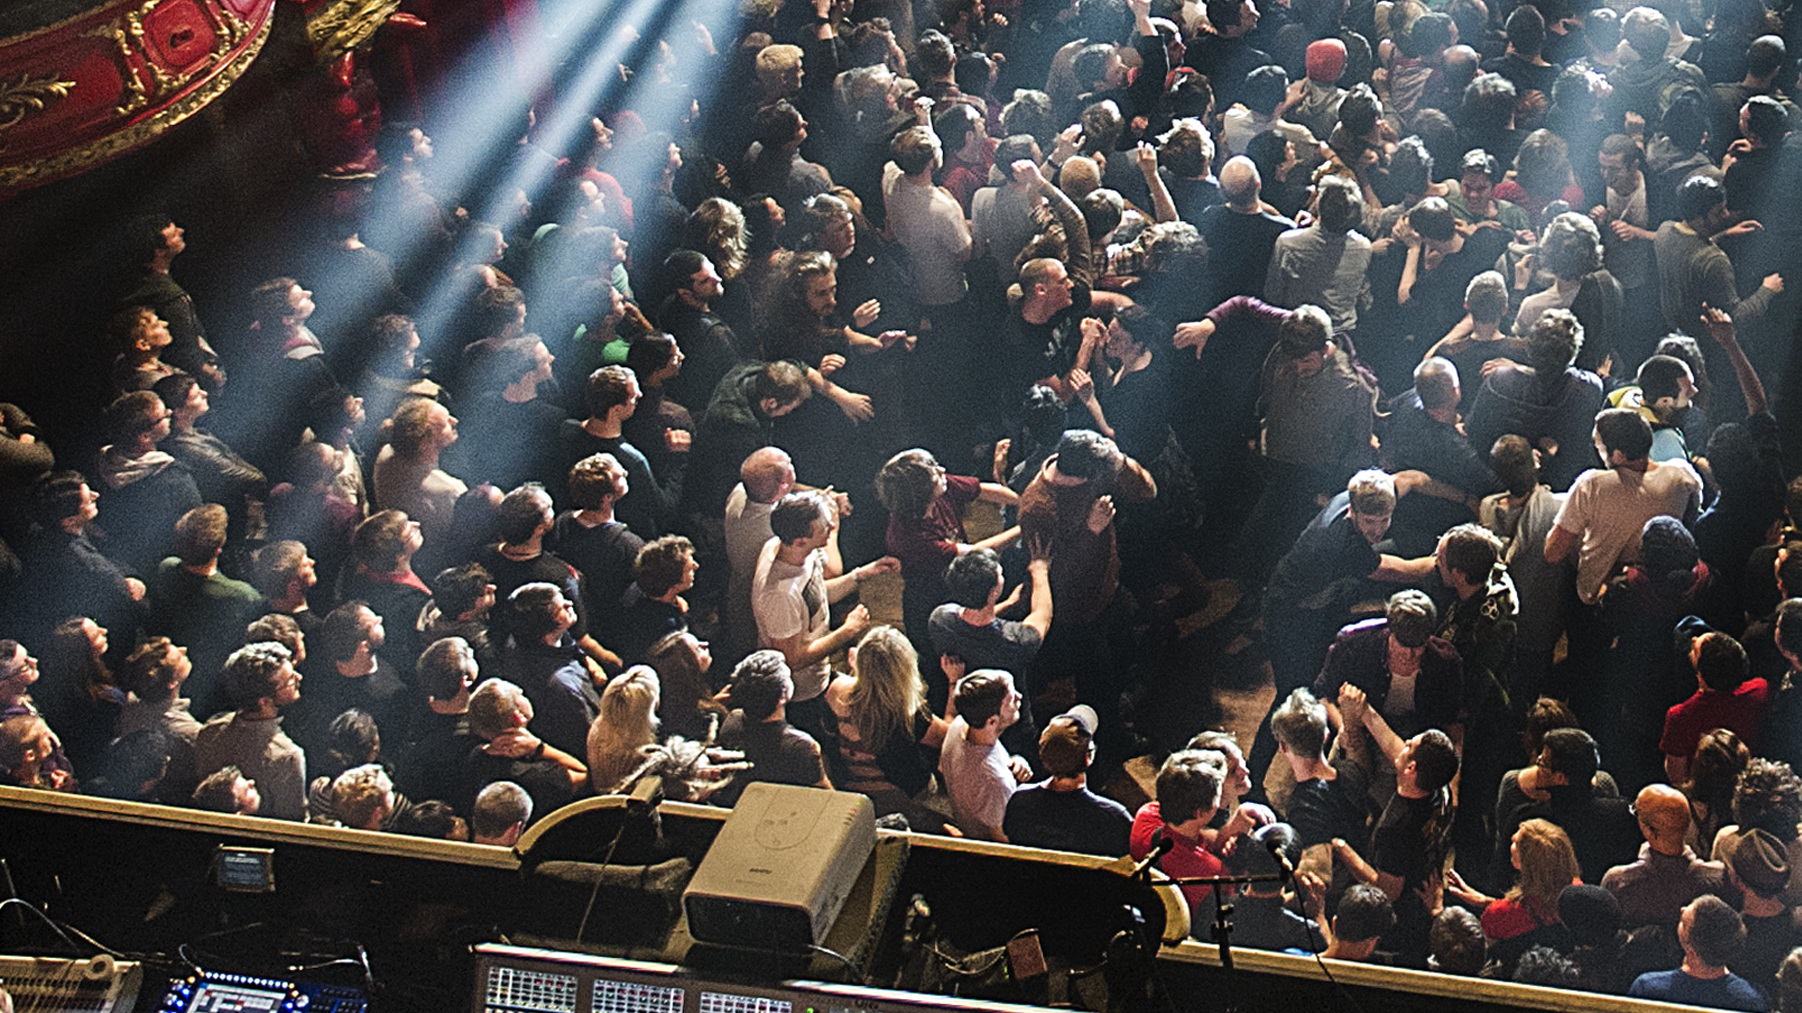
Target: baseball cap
{"type": "Point", "coordinates": [1064, 744]}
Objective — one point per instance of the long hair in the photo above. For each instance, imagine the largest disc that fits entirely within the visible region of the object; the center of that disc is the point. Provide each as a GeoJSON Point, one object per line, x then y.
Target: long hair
{"type": "Point", "coordinates": [717, 228]}
{"type": "Point", "coordinates": [72, 665]}
{"type": "Point", "coordinates": [889, 690]}
{"type": "Point", "coordinates": [684, 687]}
{"type": "Point", "coordinates": [1714, 771]}
{"type": "Point", "coordinates": [1548, 864]}
{"type": "Point", "coordinates": [626, 725]}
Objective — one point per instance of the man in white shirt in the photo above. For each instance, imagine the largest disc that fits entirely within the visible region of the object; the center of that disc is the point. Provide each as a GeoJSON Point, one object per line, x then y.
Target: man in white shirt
{"type": "Point", "coordinates": [924, 218]}
{"type": "Point", "coordinates": [1607, 508]}
{"type": "Point", "coordinates": [791, 596]}
{"type": "Point", "coordinates": [979, 774]}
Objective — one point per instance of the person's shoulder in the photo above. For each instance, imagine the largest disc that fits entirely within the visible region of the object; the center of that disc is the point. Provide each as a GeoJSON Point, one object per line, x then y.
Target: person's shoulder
{"type": "Point", "coordinates": [1677, 473]}
{"type": "Point", "coordinates": [1362, 630]}
{"type": "Point", "coordinates": [1101, 803]}
{"type": "Point", "coordinates": [1019, 633]}
{"type": "Point", "coordinates": [963, 487]}
{"type": "Point", "coordinates": [1652, 984]}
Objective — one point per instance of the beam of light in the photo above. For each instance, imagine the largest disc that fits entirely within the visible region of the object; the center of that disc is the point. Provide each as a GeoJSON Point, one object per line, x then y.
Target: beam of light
{"type": "Point", "coordinates": [585, 44]}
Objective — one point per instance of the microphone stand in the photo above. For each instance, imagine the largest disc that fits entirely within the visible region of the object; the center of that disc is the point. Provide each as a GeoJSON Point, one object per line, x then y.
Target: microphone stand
{"type": "Point", "coordinates": [1223, 926]}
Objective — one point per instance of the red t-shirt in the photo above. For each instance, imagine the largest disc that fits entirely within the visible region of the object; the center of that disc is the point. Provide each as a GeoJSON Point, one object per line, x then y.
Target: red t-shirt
{"type": "Point", "coordinates": [1506, 918]}
{"type": "Point", "coordinates": [926, 545]}
{"type": "Point", "coordinates": [1188, 858]}
{"type": "Point", "coordinates": [1739, 712]}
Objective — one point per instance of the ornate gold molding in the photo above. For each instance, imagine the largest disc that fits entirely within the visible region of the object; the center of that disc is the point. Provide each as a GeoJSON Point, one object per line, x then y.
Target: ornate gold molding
{"type": "Point", "coordinates": [56, 26]}
{"type": "Point", "coordinates": [115, 144]}
{"type": "Point", "coordinates": [134, 83]}
{"type": "Point", "coordinates": [348, 24]}
{"type": "Point", "coordinates": [27, 95]}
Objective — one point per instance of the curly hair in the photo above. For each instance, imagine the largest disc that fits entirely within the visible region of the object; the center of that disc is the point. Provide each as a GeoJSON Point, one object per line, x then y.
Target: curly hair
{"type": "Point", "coordinates": [1571, 246]}
{"type": "Point", "coordinates": [717, 228]}
{"type": "Point", "coordinates": [1769, 798]}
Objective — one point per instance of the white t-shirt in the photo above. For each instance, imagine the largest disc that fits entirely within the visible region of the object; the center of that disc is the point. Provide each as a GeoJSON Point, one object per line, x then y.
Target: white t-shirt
{"type": "Point", "coordinates": [978, 779]}
{"type": "Point", "coordinates": [788, 600]}
{"type": "Point", "coordinates": [1535, 306]}
{"type": "Point", "coordinates": [930, 224]}
{"type": "Point", "coordinates": [1609, 507]}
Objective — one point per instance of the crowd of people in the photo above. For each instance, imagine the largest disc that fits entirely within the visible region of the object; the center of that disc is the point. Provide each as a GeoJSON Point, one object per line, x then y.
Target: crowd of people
{"type": "Point", "coordinates": [1442, 332]}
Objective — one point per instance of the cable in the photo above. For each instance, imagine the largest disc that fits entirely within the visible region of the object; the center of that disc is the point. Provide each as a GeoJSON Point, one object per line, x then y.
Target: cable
{"type": "Point", "coordinates": [596, 892]}
{"type": "Point", "coordinates": [97, 944]}
{"type": "Point", "coordinates": [1308, 929]}
{"type": "Point", "coordinates": [27, 905]}
{"type": "Point", "coordinates": [302, 969]}
{"type": "Point", "coordinates": [835, 955]}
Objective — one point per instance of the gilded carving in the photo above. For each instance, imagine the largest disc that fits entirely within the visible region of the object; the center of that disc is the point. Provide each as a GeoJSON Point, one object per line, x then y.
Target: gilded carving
{"type": "Point", "coordinates": [348, 24]}
{"type": "Point", "coordinates": [134, 83]}
{"type": "Point", "coordinates": [115, 144]}
{"type": "Point", "coordinates": [27, 95]}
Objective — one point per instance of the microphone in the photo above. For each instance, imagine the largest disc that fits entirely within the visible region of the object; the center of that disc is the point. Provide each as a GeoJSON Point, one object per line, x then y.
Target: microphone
{"type": "Point", "coordinates": [1273, 843]}
{"type": "Point", "coordinates": [1161, 845]}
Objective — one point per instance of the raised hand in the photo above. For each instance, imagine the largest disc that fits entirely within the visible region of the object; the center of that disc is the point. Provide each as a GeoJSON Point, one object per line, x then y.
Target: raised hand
{"type": "Point", "coordinates": [1101, 514]}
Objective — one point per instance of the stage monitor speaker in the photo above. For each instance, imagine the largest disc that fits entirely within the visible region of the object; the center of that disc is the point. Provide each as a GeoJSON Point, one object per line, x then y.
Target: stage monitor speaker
{"type": "Point", "coordinates": [781, 867]}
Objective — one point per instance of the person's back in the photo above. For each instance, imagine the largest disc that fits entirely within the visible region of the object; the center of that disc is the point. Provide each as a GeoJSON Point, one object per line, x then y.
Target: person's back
{"type": "Point", "coordinates": [778, 751]}
{"type": "Point", "coordinates": [1608, 508]}
{"type": "Point", "coordinates": [1551, 410]}
{"type": "Point", "coordinates": [1061, 813]}
{"type": "Point", "coordinates": [1712, 934]}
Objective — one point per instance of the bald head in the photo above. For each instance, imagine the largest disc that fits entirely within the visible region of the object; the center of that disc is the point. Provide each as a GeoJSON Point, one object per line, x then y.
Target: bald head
{"type": "Point", "coordinates": [1239, 183]}
{"type": "Point", "coordinates": [1663, 817]}
{"type": "Point", "coordinates": [768, 474]}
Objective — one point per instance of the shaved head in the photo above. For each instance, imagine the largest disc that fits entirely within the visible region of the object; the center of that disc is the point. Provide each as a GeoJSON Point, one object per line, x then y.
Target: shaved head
{"type": "Point", "coordinates": [1239, 182]}
{"type": "Point", "coordinates": [1663, 811]}
{"type": "Point", "coordinates": [767, 474]}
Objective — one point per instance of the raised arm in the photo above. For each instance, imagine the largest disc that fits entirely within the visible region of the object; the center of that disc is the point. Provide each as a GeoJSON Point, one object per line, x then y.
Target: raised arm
{"type": "Point", "coordinates": [1720, 328]}
{"type": "Point", "coordinates": [1076, 228]}
{"type": "Point", "coordinates": [1162, 204]}
{"type": "Point", "coordinates": [1039, 575]}
{"type": "Point", "coordinates": [1352, 700]}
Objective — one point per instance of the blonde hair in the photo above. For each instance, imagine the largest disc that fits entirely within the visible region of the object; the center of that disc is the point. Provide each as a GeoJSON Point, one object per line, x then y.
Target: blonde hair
{"type": "Point", "coordinates": [772, 61]}
{"type": "Point", "coordinates": [1548, 864]}
{"type": "Point", "coordinates": [410, 426]}
{"type": "Point", "coordinates": [627, 724]}
{"type": "Point", "coordinates": [1081, 177]}
{"type": "Point", "coordinates": [719, 224]}
{"type": "Point", "coordinates": [888, 691]}
{"type": "Point", "coordinates": [361, 792]}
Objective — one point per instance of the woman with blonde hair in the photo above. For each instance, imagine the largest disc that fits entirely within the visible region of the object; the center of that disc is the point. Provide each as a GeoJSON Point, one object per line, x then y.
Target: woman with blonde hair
{"type": "Point", "coordinates": [1527, 915]}
{"type": "Point", "coordinates": [625, 733]}
{"type": "Point", "coordinates": [885, 728]}
{"type": "Point", "coordinates": [716, 228]}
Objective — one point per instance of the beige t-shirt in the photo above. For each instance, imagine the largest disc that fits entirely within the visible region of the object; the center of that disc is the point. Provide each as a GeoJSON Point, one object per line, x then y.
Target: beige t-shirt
{"type": "Point", "coordinates": [1608, 508]}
